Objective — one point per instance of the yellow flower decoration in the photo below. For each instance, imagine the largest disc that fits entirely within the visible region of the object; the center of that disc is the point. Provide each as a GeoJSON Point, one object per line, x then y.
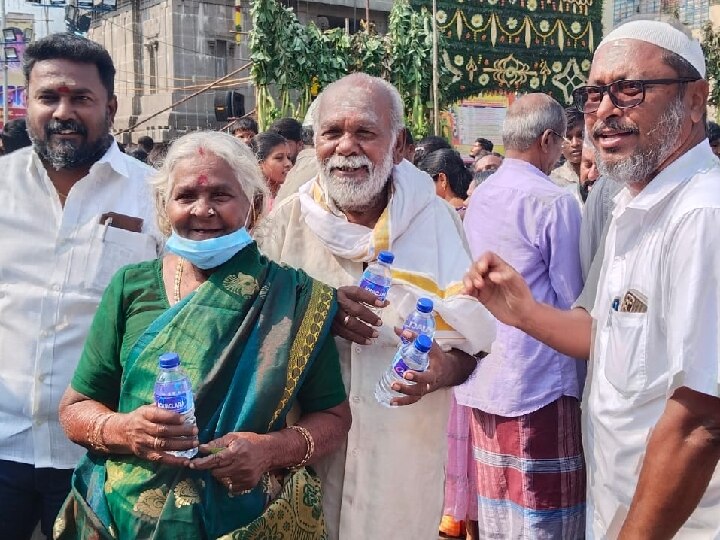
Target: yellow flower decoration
{"type": "Point", "coordinates": [241, 284]}
{"type": "Point", "coordinates": [585, 65]}
{"type": "Point", "coordinates": [484, 79]}
{"type": "Point", "coordinates": [576, 27]}
{"type": "Point", "coordinates": [512, 23]}
{"type": "Point", "coordinates": [492, 2]}
{"type": "Point", "coordinates": [531, 5]}
{"type": "Point", "coordinates": [459, 60]}
{"type": "Point", "coordinates": [544, 26]}
{"type": "Point", "coordinates": [441, 16]}
{"type": "Point", "coordinates": [534, 83]}
{"type": "Point", "coordinates": [476, 20]}
{"type": "Point", "coordinates": [150, 503]}
{"type": "Point", "coordinates": [557, 67]}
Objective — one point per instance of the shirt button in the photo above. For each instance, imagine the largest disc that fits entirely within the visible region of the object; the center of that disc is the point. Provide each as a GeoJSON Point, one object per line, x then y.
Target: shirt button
{"type": "Point", "coordinates": [37, 422]}
{"type": "Point", "coordinates": [356, 399]}
{"type": "Point", "coordinates": [355, 452]}
{"type": "Point", "coordinates": [42, 378]}
{"type": "Point", "coordinates": [56, 287]}
{"type": "Point", "coordinates": [358, 349]}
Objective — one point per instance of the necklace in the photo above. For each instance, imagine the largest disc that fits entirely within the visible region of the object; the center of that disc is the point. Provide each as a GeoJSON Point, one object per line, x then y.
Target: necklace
{"type": "Point", "coordinates": [178, 277]}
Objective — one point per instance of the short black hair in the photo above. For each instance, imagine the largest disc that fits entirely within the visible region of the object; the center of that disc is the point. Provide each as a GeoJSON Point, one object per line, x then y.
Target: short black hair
{"type": "Point", "coordinates": [289, 128]}
{"type": "Point", "coordinates": [139, 154]}
{"type": "Point", "coordinates": [485, 144]}
{"type": "Point", "coordinates": [713, 131]}
{"type": "Point", "coordinates": [15, 136]}
{"type": "Point", "coordinates": [574, 118]}
{"type": "Point", "coordinates": [66, 46]}
{"type": "Point", "coordinates": [245, 124]}
{"type": "Point", "coordinates": [450, 163]}
{"type": "Point", "coordinates": [146, 143]}
{"type": "Point", "coordinates": [308, 136]}
{"type": "Point", "coordinates": [427, 145]}
{"type": "Point", "coordinates": [262, 144]}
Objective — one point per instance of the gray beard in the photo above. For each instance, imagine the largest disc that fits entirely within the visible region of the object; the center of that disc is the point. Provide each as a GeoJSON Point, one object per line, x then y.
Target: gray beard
{"type": "Point", "coordinates": [356, 196]}
{"type": "Point", "coordinates": [639, 167]}
{"type": "Point", "coordinates": [64, 155]}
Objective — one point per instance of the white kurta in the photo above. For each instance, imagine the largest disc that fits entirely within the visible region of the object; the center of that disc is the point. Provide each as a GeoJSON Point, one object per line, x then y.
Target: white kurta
{"type": "Point", "coordinates": [664, 245]}
{"type": "Point", "coordinates": [387, 482]}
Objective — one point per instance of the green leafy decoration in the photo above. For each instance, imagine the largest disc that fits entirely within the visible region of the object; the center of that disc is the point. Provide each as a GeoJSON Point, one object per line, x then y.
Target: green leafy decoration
{"type": "Point", "coordinates": [512, 45]}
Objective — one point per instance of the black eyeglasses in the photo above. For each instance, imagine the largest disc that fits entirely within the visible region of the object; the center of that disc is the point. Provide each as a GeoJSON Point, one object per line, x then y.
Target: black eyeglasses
{"type": "Point", "coordinates": [623, 94]}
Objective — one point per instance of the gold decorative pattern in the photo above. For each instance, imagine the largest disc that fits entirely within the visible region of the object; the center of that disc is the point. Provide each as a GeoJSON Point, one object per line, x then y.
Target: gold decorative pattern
{"type": "Point", "coordinates": [321, 298]}
{"type": "Point", "coordinates": [186, 494]}
{"type": "Point", "coordinates": [114, 473]}
{"type": "Point", "coordinates": [150, 503]}
{"type": "Point", "coordinates": [241, 284]}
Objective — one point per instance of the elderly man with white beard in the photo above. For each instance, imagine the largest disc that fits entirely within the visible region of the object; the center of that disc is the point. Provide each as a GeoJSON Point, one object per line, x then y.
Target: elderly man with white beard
{"type": "Point", "coordinates": [651, 408]}
{"type": "Point", "coordinates": [388, 479]}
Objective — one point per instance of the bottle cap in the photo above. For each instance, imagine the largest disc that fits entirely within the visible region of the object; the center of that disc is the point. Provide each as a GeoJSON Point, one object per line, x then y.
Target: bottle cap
{"type": "Point", "coordinates": [423, 343]}
{"type": "Point", "coordinates": [424, 305]}
{"type": "Point", "coordinates": [386, 257]}
{"type": "Point", "coordinates": [169, 360]}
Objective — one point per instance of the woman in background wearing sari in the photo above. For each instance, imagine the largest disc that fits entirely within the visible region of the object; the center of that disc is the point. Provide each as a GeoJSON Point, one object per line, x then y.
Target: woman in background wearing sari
{"type": "Point", "coordinates": [254, 339]}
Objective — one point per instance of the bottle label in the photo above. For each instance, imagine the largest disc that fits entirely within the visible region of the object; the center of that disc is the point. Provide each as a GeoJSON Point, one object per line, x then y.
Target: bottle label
{"type": "Point", "coordinates": [178, 404]}
{"type": "Point", "coordinates": [378, 290]}
{"type": "Point", "coordinates": [400, 367]}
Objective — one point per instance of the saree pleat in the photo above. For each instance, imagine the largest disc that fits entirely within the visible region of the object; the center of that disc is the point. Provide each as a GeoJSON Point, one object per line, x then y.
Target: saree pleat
{"type": "Point", "coordinates": [246, 338]}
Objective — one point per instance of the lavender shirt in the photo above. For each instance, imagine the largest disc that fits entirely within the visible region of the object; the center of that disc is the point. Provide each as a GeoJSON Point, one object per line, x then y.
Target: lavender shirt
{"type": "Point", "coordinates": [521, 215]}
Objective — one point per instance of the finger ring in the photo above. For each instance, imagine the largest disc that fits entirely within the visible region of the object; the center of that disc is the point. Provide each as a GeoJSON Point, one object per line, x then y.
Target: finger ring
{"type": "Point", "coordinates": [230, 487]}
{"type": "Point", "coordinates": [245, 491]}
{"type": "Point", "coordinates": [156, 443]}
{"type": "Point", "coordinates": [346, 320]}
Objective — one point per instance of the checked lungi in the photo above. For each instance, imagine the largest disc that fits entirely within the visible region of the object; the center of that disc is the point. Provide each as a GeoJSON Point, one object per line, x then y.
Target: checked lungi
{"type": "Point", "coordinates": [530, 473]}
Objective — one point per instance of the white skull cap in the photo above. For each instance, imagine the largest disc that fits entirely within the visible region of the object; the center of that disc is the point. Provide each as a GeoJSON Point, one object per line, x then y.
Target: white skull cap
{"type": "Point", "coordinates": [663, 35]}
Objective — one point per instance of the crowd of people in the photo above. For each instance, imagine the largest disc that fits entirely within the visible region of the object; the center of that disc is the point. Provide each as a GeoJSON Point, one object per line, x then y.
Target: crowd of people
{"type": "Point", "coordinates": [573, 386]}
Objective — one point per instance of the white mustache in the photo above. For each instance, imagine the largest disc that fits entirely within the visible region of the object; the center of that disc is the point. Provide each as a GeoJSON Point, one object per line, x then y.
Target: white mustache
{"type": "Point", "coordinates": [350, 162]}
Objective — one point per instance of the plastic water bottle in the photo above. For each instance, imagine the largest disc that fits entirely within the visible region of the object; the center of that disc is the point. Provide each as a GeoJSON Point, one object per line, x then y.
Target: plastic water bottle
{"type": "Point", "coordinates": [421, 321]}
{"type": "Point", "coordinates": [376, 278]}
{"type": "Point", "coordinates": [173, 392]}
{"type": "Point", "coordinates": [408, 357]}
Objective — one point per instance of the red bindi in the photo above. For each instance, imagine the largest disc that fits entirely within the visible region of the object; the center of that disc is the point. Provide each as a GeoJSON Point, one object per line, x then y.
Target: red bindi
{"type": "Point", "coordinates": [63, 90]}
{"type": "Point", "coordinates": [202, 180]}
{"type": "Point", "coordinates": [201, 151]}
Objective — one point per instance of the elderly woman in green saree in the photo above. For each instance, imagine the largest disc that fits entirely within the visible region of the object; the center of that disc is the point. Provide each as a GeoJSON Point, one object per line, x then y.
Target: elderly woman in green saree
{"type": "Point", "coordinates": [254, 340]}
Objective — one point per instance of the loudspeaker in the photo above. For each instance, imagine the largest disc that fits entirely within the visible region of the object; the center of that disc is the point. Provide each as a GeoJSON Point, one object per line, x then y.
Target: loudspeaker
{"type": "Point", "coordinates": [229, 104]}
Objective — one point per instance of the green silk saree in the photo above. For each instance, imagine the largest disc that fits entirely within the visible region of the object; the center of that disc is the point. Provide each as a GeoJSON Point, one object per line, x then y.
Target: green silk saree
{"type": "Point", "coordinates": [246, 338]}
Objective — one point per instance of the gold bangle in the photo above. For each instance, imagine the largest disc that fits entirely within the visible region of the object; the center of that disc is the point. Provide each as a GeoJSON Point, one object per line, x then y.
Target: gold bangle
{"type": "Point", "coordinates": [308, 441]}
{"type": "Point", "coordinates": [97, 439]}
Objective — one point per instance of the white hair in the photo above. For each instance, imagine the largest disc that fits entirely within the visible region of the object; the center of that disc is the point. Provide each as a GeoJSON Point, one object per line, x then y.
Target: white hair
{"type": "Point", "coordinates": [526, 121]}
{"type": "Point", "coordinates": [231, 150]}
{"type": "Point", "coordinates": [397, 107]}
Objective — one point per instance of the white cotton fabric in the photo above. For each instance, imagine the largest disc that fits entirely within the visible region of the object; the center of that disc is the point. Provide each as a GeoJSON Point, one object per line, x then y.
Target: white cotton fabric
{"type": "Point", "coordinates": [664, 244]}
{"type": "Point", "coordinates": [663, 35]}
{"type": "Point", "coordinates": [55, 263]}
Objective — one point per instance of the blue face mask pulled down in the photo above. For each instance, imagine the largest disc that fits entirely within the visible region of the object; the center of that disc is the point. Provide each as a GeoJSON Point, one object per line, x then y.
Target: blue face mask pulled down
{"type": "Point", "coordinates": [209, 253]}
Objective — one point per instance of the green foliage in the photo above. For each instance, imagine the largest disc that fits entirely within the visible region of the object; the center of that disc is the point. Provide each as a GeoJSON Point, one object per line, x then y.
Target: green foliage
{"type": "Point", "coordinates": [293, 58]}
{"type": "Point", "coordinates": [711, 48]}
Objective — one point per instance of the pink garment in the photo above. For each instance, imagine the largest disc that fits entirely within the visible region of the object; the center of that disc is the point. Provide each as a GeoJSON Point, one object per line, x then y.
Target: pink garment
{"type": "Point", "coordinates": [460, 474]}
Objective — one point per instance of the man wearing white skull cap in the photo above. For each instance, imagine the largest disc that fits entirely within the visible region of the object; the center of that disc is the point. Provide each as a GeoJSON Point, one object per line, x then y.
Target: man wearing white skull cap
{"type": "Point", "coordinates": [651, 408]}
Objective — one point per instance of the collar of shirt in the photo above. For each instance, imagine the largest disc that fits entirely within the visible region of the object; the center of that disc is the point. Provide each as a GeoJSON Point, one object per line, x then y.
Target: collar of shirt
{"type": "Point", "coordinates": [526, 168]}
{"type": "Point", "coordinates": [695, 160]}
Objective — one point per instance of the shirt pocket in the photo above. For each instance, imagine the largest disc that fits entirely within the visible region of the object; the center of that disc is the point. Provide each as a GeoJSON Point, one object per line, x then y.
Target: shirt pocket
{"type": "Point", "coordinates": [625, 363]}
{"type": "Point", "coordinates": [113, 248]}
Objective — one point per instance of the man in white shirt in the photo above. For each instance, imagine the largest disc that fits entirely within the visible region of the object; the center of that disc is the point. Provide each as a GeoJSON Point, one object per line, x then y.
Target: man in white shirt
{"type": "Point", "coordinates": [387, 481]}
{"type": "Point", "coordinates": [77, 209]}
{"type": "Point", "coordinates": [652, 404]}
